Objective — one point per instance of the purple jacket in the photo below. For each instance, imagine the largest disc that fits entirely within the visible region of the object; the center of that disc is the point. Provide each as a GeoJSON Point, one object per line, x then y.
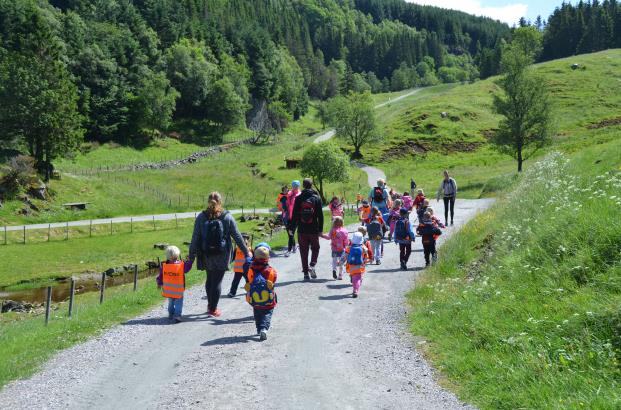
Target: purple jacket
{"type": "Point", "coordinates": [187, 266]}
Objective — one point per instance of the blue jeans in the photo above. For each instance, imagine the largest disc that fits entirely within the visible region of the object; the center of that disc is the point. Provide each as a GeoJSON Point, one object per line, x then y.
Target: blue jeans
{"type": "Point", "coordinates": [263, 318]}
{"type": "Point", "coordinates": [175, 306]}
{"type": "Point", "coordinates": [376, 245]}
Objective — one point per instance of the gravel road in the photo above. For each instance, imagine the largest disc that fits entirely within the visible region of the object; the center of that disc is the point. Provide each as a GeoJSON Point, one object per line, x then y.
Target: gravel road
{"type": "Point", "coordinates": [325, 350]}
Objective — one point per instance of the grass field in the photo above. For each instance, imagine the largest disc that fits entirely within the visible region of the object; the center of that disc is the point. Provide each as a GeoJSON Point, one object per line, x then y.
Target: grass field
{"type": "Point", "coordinates": [522, 310]}
{"type": "Point", "coordinates": [419, 143]}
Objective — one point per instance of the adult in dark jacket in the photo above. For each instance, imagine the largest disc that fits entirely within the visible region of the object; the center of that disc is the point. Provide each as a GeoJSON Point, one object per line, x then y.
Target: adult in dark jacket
{"type": "Point", "coordinates": [308, 220]}
{"type": "Point", "coordinates": [215, 264]}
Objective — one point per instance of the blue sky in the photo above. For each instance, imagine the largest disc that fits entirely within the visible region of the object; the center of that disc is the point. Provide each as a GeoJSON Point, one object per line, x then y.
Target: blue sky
{"type": "Point", "coordinates": [508, 11]}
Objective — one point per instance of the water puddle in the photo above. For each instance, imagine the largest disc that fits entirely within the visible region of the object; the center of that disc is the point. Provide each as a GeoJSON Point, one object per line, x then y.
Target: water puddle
{"type": "Point", "coordinates": [83, 284]}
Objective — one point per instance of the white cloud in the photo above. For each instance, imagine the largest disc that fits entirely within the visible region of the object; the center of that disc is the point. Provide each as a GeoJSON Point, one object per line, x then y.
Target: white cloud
{"type": "Point", "coordinates": [509, 14]}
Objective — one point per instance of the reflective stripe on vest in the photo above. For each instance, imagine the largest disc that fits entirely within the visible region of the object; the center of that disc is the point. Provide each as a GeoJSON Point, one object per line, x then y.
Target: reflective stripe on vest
{"type": "Point", "coordinates": [238, 263]}
{"type": "Point", "coordinates": [173, 280]}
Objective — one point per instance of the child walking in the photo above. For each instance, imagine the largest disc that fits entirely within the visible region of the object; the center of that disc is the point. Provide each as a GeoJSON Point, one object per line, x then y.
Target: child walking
{"type": "Point", "coordinates": [408, 202]}
{"type": "Point", "coordinates": [429, 233]}
{"type": "Point", "coordinates": [240, 267]}
{"type": "Point", "coordinates": [367, 244]}
{"type": "Point", "coordinates": [356, 254]}
{"type": "Point", "coordinates": [260, 293]}
{"type": "Point", "coordinates": [336, 208]}
{"type": "Point", "coordinates": [404, 236]}
{"type": "Point", "coordinates": [338, 242]}
{"type": "Point", "coordinates": [393, 217]}
{"type": "Point", "coordinates": [171, 280]}
{"type": "Point", "coordinates": [375, 230]}
{"type": "Point", "coordinates": [364, 212]}
{"type": "Point", "coordinates": [420, 198]}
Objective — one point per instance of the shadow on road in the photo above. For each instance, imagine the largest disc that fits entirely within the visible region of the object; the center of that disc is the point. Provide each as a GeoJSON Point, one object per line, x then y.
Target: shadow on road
{"type": "Point", "coordinates": [230, 340]}
{"type": "Point", "coordinates": [339, 286]}
{"type": "Point", "coordinates": [150, 321]}
{"type": "Point", "coordinates": [219, 322]}
{"type": "Point", "coordinates": [336, 297]}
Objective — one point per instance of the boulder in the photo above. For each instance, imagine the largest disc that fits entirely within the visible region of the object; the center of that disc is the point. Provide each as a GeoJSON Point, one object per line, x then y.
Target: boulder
{"type": "Point", "coordinates": [160, 246]}
{"type": "Point", "coordinates": [444, 114]}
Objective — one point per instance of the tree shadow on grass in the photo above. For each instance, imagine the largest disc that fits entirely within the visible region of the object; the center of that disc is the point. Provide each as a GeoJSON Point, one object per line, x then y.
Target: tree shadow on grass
{"type": "Point", "coordinates": [230, 340]}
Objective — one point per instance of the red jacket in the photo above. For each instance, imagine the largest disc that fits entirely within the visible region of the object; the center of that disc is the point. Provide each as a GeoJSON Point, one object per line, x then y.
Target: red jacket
{"type": "Point", "coordinates": [418, 201]}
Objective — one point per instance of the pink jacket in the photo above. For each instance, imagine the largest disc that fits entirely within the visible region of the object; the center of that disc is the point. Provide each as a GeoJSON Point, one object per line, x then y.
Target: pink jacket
{"type": "Point", "coordinates": [393, 217]}
{"type": "Point", "coordinates": [336, 210]}
{"type": "Point", "coordinates": [338, 239]}
{"type": "Point", "coordinates": [291, 201]}
{"type": "Point", "coordinates": [408, 202]}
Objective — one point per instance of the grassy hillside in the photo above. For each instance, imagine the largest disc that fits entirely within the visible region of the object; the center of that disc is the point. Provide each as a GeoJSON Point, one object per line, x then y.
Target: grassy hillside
{"type": "Point", "coordinates": [522, 311]}
{"type": "Point", "coordinates": [420, 143]}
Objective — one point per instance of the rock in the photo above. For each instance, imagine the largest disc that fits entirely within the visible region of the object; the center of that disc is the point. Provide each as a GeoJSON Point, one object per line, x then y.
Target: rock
{"type": "Point", "coordinates": [575, 66]}
{"type": "Point", "coordinates": [161, 246]}
{"type": "Point", "coordinates": [14, 306]}
{"type": "Point", "coordinates": [152, 265]}
{"type": "Point", "coordinates": [444, 114]}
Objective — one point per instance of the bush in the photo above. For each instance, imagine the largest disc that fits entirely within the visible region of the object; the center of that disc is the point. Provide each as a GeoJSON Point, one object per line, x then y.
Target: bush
{"type": "Point", "coordinates": [18, 174]}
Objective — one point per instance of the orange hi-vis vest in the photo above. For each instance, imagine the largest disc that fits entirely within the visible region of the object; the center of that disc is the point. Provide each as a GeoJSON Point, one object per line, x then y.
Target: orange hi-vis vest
{"type": "Point", "coordinates": [238, 262]}
{"type": "Point", "coordinates": [279, 202]}
{"type": "Point", "coordinates": [357, 269]}
{"type": "Point", "coordinates": [173, 280]}
{"type": "Point", "coordinates": [365, 212]}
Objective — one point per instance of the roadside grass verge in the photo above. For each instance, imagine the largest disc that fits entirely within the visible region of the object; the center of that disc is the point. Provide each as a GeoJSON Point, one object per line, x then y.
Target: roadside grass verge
{"type": "Point", "coordinates": [522, 310]}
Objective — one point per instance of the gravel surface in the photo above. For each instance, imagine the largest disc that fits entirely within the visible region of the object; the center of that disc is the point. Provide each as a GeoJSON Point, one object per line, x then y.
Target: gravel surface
{"type": "Point", "coordinates": [325, 350]}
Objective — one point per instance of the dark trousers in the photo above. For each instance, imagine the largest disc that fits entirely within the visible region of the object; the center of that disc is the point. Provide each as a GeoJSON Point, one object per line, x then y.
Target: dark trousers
{"type": "Point", "coordinates": [291, 244]}
{"type": "Point", "coordinates": [449, 202]}
{"type": "Point", "coordinates": [263, 318]}
{"type": "Point", "coordinates": [429, 249]}
{"type": "Point", "coordinates": [235, 283]}
{"type": "Point", "coordinates": [306, 241]}
{"type": "Point", "coordinates": [404, 252]}
{"type": "Point", "coordinates": [213, 287]}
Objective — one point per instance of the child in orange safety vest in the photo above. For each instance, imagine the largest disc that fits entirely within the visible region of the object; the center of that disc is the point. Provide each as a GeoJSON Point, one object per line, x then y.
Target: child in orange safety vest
{"type": "Point", "coordinates": [172, 281]}
{"type": "Point", "coordinates": [240, 267]}
{"type": "Point", "coordinates": [356, 267]}
{"type": "Point", "coordinates": [260, 292]}
{"type": "Point", "coordinates": [364, 212]}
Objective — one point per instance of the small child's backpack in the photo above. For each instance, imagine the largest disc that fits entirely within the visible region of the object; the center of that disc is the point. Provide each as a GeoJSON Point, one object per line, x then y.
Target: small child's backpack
{"type": "Point", "coordinates": [401, 230]}
{"type": "Point", "coordinates": [214, 242]}
{"type": "Point", "coordinates": [261, 291]}
{"type": "Point", "coordinates": [378, 194]}
{"type": "Point", "coordinates": [355, 256]}
{"type": "Point", "coordinates": [307, 212]}
{"type": "Point", "coordinates": [374, 229]}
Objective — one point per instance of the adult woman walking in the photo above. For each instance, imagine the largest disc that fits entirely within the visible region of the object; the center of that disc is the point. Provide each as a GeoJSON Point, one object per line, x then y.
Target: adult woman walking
{"type": "Point", "coordinates": [212, 245]}
{"type": "Point", "coordinates": [448, 191]}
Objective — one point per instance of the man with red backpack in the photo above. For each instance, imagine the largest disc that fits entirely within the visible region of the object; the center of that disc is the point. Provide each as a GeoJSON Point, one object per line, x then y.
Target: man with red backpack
{"type": "Point", "coordinates": [308, 220]}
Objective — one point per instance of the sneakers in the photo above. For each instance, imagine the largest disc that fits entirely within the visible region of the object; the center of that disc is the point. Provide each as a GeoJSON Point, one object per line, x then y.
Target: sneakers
{"type": "Point", "coordinates": [231, 295]}
{"type": "Point", "coordinates": [333, 274]}
{"type": "Point", "coordinates": [306, 277]}
{"type": "Point", "coordinates": [287, 254]}
{"type": "Point", "coordinates": [177, 319]}
{"type": "Point", "coordinates": [214, 312]}
{"type": "Point", "coordinates": [451, 223]}
{"type": "Point", "coordinates": [404, 266]}
{"type": "Point", "coordinates": [294, 249]}
{"type": "Point", "coordinates": [434, 258]}
{"type": "Point", "coordinates": [263, 334]}
{"type": "Point", "coordinates": [340, 276]}
{"type": "Point", "coordinates": [378, 262]}
{"type": "Point", "coordinates": [312, 272]}
{"type": "Point", "coordinates": [170, 316]}
{"type": "Point", "coordinates": [354, 295]}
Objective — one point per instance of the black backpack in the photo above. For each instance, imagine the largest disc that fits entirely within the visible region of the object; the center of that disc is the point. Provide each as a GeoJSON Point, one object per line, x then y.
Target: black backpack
{"type": "Point", "coordinates": [378, 194]}
{"type": "Point", "coordinates": [374, 229]}
{"type": "Point", "coordinates": [307, 211]}
{"type": "Point", "coordinates": [214, 242]}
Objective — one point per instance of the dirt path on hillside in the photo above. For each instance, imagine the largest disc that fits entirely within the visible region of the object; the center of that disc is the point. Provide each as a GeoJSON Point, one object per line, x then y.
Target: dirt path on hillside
{"type": "Point", "coordinates": [325, 350]}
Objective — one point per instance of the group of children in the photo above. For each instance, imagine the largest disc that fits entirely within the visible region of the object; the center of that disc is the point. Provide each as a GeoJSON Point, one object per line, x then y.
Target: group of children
{"type": "Point", "coordinates": [365, 247]}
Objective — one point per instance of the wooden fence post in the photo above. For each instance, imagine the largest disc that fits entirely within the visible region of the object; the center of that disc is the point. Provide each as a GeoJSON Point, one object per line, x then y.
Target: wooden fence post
{"type": "Point", "coordinates": [67, 231]}
{"type": "Point", "coordinates": [24, 234]}
{"type": "Point", "coordinates": [48, 303]}
{"type": "Point", "coordinates": [71, 296]}
{"type": "Point", "coordinates": [102, 288]}
{"type": "Point", "coordinates": [135, 277]}
{"type": "Point", "coordinates": [49, 231]}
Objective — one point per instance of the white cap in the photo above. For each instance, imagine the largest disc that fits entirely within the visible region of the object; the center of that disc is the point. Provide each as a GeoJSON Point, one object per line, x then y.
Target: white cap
{"type": "Point", "coordinates": [356, 239]}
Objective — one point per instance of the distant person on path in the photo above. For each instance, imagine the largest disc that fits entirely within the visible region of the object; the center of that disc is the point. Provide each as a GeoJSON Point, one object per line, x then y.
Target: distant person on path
{"type": "Point", "coordinates": [339, 239]}
{"type": "Point", "coordinates": [212, 245]}
{"type": "Point", "coordinates": [172, 281]}
{"type": "Point", "coordinates": [291, 195]}
{"type": "Point", "coordinates": [260, 292]}
{"type": "Point", "coordinates": [448, 191]}
{"type": "Point", "coordinates": [356, 256]}
{"type": "Point", "coordinates": [429, 233]}
{"type": "Point", "coordinates": [412, 185]}
{"type": "Point", "coordinates": [307, 219]}
{"type": "Point", "coordinates": [379, 196]}
{"type": "Point", "coordinates": [336, 208]}
{"type": "Point", "coordinates": [404, 236]}
{"type": "Point", "coordinates": [240, 267]}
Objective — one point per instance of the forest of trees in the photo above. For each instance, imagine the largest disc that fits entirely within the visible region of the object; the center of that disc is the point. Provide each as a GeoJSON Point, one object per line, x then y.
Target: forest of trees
{"type": "Point", "coordinates": [585, 27]}
{"type": "Point", "coordinates": [139, 66]}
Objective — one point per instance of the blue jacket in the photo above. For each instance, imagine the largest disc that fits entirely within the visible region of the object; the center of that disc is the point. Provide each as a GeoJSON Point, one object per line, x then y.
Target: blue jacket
{"type": "Point", "coordinates": [410, 232]}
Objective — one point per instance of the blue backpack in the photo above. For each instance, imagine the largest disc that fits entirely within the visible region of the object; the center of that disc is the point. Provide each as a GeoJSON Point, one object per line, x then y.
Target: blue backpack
{"type": "Point", "coordinates": [355, 255]}
{"type": "Point", "coordinates": [401, 230]}
{"type": "Point", "coordinates": [214, 242]}
{"type": "Point", "coordinates": [260, 293]}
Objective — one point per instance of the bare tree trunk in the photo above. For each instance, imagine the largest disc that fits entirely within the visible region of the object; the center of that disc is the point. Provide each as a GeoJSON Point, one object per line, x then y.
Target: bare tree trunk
{"type": "Point", "coordinates": [520, 160]}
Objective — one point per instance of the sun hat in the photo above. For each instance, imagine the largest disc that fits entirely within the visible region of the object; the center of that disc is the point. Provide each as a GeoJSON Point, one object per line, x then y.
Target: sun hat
{"type": "Point", "coordinates": [356, 239]}
{"type": "Point", "coordinates": [262, 253]}
{"type": "Point", "coordinates": [295, 184]}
